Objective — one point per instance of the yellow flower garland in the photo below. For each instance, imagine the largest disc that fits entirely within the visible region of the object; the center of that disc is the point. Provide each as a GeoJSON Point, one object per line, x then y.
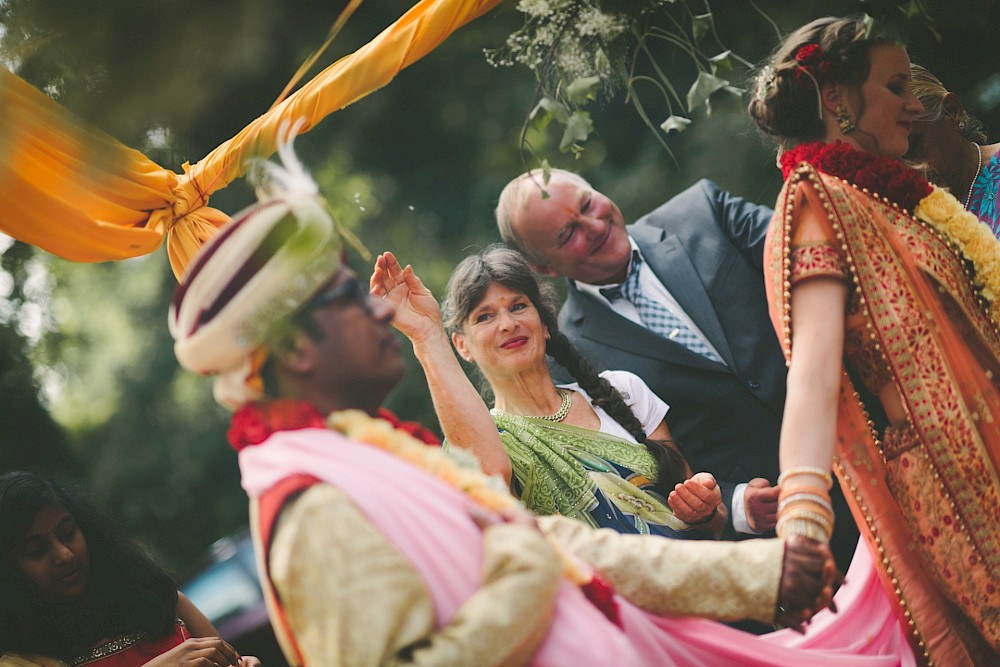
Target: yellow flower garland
{"type": "Point", "coordinates": [359, 426]}
{"type": "Point", "coordinates": [945, 213]}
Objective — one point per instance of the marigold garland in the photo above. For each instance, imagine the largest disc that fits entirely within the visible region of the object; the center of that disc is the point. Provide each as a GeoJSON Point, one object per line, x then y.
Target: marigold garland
{"type": "Point", "coordinates": [889, 178]}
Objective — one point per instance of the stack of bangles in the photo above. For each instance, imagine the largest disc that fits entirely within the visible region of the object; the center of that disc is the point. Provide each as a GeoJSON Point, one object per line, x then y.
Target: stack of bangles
{"type": "Point", "coordinates": [804, 503]}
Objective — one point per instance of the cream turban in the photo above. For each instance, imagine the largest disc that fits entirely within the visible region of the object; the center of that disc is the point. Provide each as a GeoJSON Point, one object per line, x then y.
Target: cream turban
{"type": "Point", "coordinates": [251, 277]}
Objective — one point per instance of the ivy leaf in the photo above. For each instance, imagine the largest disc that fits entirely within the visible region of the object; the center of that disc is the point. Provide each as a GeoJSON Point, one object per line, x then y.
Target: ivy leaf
{"type": "Point", "coordinates": [702, 89]}
{"type": "Point", "coordinates": [546, 176]}
{"type": "Point", "coordinates": [700, 25]}
{"type": "Point", "coordinates": [583, 89]}
{"type": "Point", "coordinates": [548, 109]}
{"type": "Point", "coordinates": [678, 123]}
{"type": "Point", "coordinates": [722, 62]}
{"type": "Point", "coordinates": [578, 128]}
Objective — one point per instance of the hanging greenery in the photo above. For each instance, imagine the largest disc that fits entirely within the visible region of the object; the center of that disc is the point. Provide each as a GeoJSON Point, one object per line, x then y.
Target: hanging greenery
{"type": "Point", "coordinates": [582, 51]}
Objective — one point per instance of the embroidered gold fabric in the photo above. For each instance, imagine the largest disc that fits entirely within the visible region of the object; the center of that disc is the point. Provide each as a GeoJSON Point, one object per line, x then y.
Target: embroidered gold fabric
{"type": "Point", "coordinates": [916, 324]}
{"type": "Point", "coordinates": [816, 259]}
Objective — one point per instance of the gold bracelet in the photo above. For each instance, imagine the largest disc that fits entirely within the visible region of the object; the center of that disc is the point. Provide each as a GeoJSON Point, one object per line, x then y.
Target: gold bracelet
{"type": "Point", "coordinates": [807, 470]}
{"type": "Point", "coordinates": [805, 497]}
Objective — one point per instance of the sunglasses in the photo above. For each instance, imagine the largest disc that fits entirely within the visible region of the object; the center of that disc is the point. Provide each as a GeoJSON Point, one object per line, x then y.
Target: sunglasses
{"type": "Point", "coordinates": [351, 291]}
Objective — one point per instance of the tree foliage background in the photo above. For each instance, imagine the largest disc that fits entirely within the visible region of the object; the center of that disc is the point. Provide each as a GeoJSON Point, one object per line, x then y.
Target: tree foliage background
{"type": "Point", "coordinates": [89, 390]}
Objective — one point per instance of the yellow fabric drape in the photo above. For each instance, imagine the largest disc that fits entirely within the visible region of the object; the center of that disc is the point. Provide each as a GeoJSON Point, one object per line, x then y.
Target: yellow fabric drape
{"type": "Point", "coordinates": [71, 189]}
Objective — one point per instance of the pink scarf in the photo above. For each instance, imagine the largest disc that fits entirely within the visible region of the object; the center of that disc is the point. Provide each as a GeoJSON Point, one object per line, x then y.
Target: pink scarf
{"type": "Point", "coordinates": [434, 531]}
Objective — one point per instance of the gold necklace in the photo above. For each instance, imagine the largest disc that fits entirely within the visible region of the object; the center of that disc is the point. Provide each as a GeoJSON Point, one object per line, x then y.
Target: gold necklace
{"type": "Point", "coordinates": [968, 197]}
{"type": "Point", "coordinates": [559, 415]}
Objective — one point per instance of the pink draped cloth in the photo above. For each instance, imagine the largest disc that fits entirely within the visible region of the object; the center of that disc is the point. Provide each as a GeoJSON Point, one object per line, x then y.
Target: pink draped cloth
{"type": "Point", "coordinates": [434, 531]}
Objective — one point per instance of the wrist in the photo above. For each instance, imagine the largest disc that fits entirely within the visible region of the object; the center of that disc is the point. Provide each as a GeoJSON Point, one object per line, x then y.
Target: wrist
{"type": "Point", "coordinates": [701, 522]}
{"type": "Point", "coordinates": [430, 341]}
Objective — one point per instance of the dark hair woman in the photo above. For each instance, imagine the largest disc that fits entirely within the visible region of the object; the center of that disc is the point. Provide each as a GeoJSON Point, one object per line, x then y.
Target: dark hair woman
{"type": "Point", "coordinates": [597, 450]}
{"type": "Point", "coordinates": [77, 591]}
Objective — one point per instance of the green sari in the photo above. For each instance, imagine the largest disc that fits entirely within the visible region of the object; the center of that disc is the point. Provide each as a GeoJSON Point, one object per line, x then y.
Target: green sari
{"type": "Point", "coordinates": [600, 479]}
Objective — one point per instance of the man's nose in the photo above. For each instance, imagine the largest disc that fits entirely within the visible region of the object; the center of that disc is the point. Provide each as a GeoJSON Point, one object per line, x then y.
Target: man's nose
{"type": "Point", "coordinates": [381, 309]}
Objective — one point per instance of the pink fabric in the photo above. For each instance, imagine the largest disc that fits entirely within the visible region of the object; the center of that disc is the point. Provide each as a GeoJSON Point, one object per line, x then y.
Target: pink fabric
{"type": "Point", "coordinates": [431, 526]}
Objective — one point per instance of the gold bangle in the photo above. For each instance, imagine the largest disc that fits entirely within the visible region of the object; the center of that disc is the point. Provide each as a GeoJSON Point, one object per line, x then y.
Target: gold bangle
{"type": "Point", "coordinates": [798, 497]}
{"type": "Point", "coordinates": [807, 470]}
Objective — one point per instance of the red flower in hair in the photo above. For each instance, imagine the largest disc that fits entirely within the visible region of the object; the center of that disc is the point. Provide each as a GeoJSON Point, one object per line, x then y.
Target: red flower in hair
{"type": "Point", "coordinates": [813, 65]}
{"type": "Point", "coordinates": [810, 54]}
{"type": "Point", "coordinates": [253, 423]}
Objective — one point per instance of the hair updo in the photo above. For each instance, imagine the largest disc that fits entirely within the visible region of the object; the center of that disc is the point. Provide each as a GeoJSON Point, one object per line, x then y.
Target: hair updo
{"type": "Point", "coordinates": [785, 102]}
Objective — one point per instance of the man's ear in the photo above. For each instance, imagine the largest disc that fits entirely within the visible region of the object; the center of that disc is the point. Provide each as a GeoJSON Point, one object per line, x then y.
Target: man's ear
{"type": "Point", "coordinates": [297, 353]}
{"type": "Point", "coordinates": [458, 340]}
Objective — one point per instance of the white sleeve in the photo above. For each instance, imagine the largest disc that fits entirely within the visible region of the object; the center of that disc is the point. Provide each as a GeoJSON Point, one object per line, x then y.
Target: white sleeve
{"type": "Point", "coordinates": [648, 408]}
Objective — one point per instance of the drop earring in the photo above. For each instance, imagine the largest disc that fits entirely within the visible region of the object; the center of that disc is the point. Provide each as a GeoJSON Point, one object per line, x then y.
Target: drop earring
{"type": "Point", "coordinates": [844, 119]}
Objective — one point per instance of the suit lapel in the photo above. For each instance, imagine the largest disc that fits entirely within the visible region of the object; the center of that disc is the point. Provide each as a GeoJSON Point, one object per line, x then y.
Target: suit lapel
{"type": "Point", "coordinates": [672, 265]}
{"type": "Point", "coordinates": [600, 323]}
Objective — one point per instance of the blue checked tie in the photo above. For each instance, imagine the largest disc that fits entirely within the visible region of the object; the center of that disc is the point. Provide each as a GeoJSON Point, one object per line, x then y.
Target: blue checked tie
{"type": "Point", "coordinates": [656, 316]}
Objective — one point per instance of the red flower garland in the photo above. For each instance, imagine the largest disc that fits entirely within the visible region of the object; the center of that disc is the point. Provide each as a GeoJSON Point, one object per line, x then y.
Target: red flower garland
{"type": "Point", "coordinates": [416, 429]}
{"type": "Point", "coordinates": [880, 175]}
{"type": "Point", "coordinates": [253, 423]}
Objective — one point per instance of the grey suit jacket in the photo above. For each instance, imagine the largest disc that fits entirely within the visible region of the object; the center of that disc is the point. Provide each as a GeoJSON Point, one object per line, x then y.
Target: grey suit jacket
{"type": "Point", "coordinates": [706, 246]}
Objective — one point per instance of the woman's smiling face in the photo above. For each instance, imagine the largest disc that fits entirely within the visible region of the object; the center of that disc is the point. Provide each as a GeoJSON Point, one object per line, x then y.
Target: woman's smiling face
{"type": "Point", "coordinates": [503, 334]}
{"type": "Point", "coordinates": [889, 104]}
{"type": "Point", "coordinates": [53, 556]}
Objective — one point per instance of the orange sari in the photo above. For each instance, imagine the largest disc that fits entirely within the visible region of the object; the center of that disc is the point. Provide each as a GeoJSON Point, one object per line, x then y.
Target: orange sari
{"type": "Point", "coordinates": [926, 494]}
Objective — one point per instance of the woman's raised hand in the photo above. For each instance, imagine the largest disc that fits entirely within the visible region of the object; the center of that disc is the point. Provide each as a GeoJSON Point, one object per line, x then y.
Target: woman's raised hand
{"type": "Point", "coordinates": [418, 314]}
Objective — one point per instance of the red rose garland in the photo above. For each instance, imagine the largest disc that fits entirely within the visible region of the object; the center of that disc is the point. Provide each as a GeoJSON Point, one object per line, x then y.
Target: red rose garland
{"type": "Point", "coordinates": [253, 423]}
{"type": "Point", "coordinates": [884, 176]}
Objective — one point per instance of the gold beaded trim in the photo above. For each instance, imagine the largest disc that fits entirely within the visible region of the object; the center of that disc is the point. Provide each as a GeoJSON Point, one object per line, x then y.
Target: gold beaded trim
{"type": "Point", "coordinates": [114, 646]}
{"type": "Point", "coordinates": [806, 171]}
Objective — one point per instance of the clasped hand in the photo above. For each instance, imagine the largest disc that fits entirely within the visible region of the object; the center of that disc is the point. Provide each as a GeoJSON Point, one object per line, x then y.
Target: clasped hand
{"type": "Point", "coordinates": [809, 577]}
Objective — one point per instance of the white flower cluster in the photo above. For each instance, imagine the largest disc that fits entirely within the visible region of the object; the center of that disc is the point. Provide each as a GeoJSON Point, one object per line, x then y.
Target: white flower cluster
{"type": "Point", "coordinates": [563, 40]}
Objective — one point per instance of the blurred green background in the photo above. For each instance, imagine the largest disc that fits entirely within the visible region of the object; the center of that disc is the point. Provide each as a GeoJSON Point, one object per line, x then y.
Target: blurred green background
{"type": "Point", "coordinates": [90, 392]}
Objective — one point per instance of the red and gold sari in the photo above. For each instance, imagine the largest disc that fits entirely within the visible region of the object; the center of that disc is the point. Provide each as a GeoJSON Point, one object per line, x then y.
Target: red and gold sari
{"type": "Point", "coordinates": [926, 493]}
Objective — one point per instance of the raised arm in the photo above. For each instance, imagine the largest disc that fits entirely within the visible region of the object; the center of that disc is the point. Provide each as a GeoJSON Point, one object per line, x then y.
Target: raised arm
{"type": "Point", "coordinates": [463, 416]}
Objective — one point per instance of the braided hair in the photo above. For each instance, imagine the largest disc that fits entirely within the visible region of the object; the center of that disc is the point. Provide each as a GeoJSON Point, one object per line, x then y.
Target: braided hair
{"type": "Point", "coordinates": [503, 266]}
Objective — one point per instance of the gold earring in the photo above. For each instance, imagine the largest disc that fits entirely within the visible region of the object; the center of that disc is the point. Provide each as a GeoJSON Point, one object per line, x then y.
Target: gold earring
{"type": "Point", "coordinates": [844, 119]}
